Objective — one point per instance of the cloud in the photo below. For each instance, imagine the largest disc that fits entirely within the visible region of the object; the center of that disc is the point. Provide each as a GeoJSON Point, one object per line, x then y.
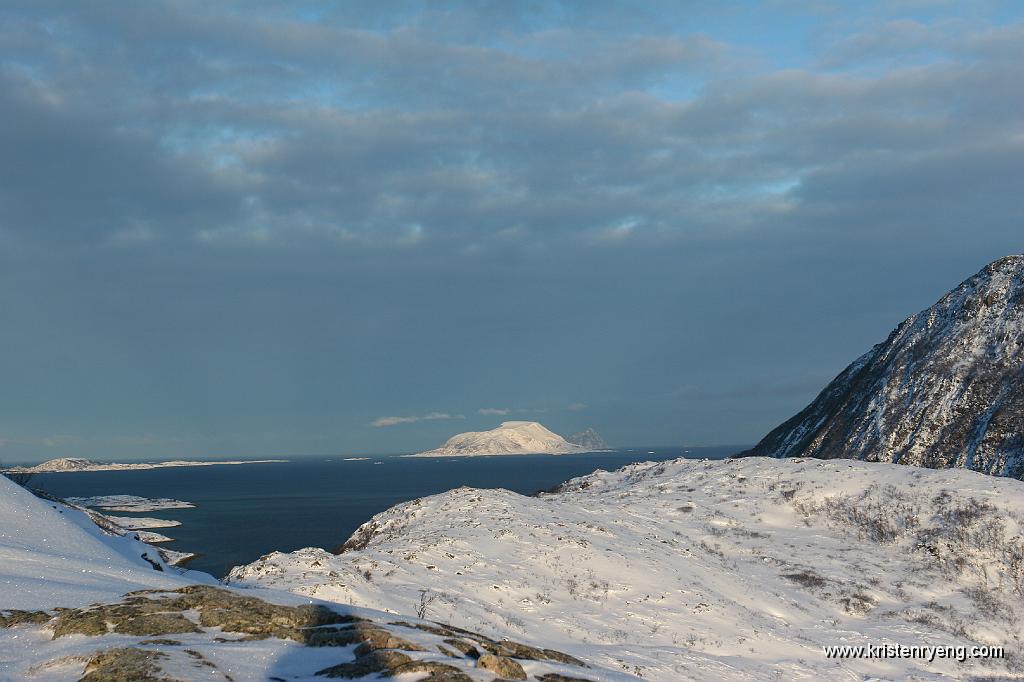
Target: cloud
{"type": "Point", "coordinates": [423, 202]}
{"type": "Point", "coordinates": [499, 411]}
{"type": "Point", "coordinates": [576, 407]}
{"type": "Point", "coordinates": [393, 421]}
{"type": "Point", "coordinates": [59, 440]}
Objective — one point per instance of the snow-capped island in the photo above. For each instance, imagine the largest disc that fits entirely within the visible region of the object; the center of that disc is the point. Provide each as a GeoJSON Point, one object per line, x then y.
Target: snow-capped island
{"type": "Point", "coordinates": [511, 438]}
{"type": "Point", "coordinates": [66, 464]}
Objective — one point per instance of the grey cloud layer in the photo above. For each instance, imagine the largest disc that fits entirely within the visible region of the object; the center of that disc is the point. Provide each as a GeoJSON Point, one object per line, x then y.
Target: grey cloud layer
{"type": "Point", "coordinates": [326, 214]}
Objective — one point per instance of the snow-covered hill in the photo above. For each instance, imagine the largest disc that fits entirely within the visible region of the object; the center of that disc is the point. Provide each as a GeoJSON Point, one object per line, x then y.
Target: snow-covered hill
{"type": "Point", "coordinates": [511, 438]}
{"type": "Point", "coordinates": [65, 615]}
{"type": "Point", "coordinates": [66, 464]}
{"type": "Point", "coordinates": [55, 555]}
{"type": "Point", "coordinates": [946, 389]}
{"type": "Point", "coordinates": [705, 570]}
{"type": "Point", "coordinates": [61, 464]}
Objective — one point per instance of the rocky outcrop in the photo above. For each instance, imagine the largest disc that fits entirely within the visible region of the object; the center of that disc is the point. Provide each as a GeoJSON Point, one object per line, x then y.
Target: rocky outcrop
{"type": "Point", "coordinates": [505, 667]}
{"type": "Point", "coordinates": [946, 389]}
{"type": "Point", "coordinates": [223, 617]}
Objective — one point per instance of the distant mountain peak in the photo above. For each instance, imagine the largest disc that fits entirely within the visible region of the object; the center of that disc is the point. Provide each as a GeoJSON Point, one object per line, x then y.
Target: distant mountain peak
{"type": "Point", "coordinates": [590, 439]}
{"type": "Point", "coordinates": [510, 438]}
{"type": "Point", "coordinates": [65, 464]}
{"type": "Point", "coordinates": [946, 389]}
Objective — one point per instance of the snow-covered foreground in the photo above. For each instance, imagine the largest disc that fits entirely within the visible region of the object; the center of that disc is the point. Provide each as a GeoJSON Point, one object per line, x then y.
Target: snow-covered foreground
{"type": "Point", "coordinates": [704, 570]}
{"type": "Point", "coordinates": [64, 615]}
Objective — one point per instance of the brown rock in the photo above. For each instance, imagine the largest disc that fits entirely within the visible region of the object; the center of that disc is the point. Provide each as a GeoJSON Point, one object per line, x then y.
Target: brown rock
{"type": "Point", "coordinates": [505, 667]}
{"type": "Point", "coordinates": [124, 665]}
{"type": "Point", "coordinates": [373, 662]}
{"type": "Point", "coordinates": [11, 618]}
{"type": "Point", "coordinates": [465, 647]}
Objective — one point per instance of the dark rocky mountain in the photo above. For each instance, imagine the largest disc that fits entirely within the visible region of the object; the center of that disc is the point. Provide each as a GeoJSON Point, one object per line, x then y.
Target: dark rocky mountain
{"type": "Point", "coordinates": [590, 439]}
{"type": "Point", "coordinates": [946, 389]}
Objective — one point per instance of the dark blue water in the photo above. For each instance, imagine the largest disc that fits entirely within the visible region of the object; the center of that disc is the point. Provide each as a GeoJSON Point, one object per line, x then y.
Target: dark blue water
{"type": "Point", "coordinates": [245, 511]}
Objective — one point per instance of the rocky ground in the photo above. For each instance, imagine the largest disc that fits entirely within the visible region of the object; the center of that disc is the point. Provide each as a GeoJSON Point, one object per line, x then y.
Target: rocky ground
{"type": "Point", "coordinates": [207, 633]}
{"type": "Point", "coordinates": [705, 570]}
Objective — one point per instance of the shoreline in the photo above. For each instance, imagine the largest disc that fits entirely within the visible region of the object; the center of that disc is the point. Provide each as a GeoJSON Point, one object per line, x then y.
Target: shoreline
{"type": "Point", "coordinates": [135, 466]}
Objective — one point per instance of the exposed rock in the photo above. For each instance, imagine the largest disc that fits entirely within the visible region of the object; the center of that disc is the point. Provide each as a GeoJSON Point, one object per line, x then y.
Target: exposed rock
{"type": "Point", "coordinates": [529, 653]}
{"type": "Point", "coordinates": [137, 617]}
{"type": "Point", "coordinates": [155, 624]}
{"type": "Point", "coordinates": [432, 629]}
{"type": "Point", "coordinates": [436, 672]}
{"type": "Point", "coordinates": [9, 619]}
{"type": "Point", "coordinates": [465, 647]}
{"type": "Point", "coordinates": [557, 677]}
{"type": "Point", "coordinates": [126, 664]}
{"type": "Point", "coordinates": [90, 622]}
{"type": "Point", "coordinates": [376, 638]}
{"type": "Point", "coordinates": [236, 613]}
{"type": "Point", "coordinates": [367, 664]}
{"type": "Point", "coordinates": [503, 666]}
{"type": "Point", "coordinates": [946, 389]}
{"type": "Point", "coordinates": [151, 616]}
{"type": "Point", "coordinates": [566, 659]}
{"type": "Point", "coordinates": [379, 650]}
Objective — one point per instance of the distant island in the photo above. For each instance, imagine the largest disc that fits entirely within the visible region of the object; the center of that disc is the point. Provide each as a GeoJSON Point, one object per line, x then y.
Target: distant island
{"type": "Point", "coordinates": [589, 439]}
{"type": "Point", "coordinates": [66, 464]}
{"type": "Point", "coordinates": [511, 438]}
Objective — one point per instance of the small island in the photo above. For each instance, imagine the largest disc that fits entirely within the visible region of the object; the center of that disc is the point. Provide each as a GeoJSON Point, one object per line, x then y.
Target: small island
{"type": "Point", "coordinates": [66, 464]}
{"type": "Point", "coordinates": [510, 438]}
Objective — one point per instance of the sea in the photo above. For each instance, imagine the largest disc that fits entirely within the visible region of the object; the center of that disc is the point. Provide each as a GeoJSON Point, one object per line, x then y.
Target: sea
{"type": "Point", "coordinates": [245, 511]}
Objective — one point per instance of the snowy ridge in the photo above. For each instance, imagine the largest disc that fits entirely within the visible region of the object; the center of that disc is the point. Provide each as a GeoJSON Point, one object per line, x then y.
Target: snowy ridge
{"type": "Point", "coordinates": [511, 438]}
{"type": "Point", "coordinates": [703, 570]}
{"type": "Point", "coordinates": [64, 616]}
{"type": "Point", "coordinates": [56, 555]}
{"type": "Point", "coordinates": [946, 389]}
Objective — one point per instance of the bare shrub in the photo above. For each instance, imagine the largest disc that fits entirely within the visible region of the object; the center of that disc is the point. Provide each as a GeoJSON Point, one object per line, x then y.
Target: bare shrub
{"type": "Point", "coordinates": [806, 578]}
{"type": "Point", "coordinates": [882, 516]}
{"type": "Point", "coordinates": [426, 599]}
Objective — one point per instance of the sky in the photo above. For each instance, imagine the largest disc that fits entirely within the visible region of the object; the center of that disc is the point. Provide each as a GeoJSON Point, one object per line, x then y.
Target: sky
{"type": "Point", "coordinates": [298, 228]}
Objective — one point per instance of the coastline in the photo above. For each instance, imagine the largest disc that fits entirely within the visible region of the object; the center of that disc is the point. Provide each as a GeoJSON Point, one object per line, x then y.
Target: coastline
{"type": "Point", "coordinates": [134, 466]}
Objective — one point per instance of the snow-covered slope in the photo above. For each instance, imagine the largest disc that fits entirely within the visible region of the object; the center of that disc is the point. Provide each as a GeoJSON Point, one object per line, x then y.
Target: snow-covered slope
{"type": "Point", "coordinates": [946, 389]}
{"type": "Point", "coordinates": [64, 615]}
{"type": "Point", "coordinates": [55, 555]}
{"type": "Point", "coordinates": [511, 438]}
{"type": "Point", "coordinates": [704, 570]}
